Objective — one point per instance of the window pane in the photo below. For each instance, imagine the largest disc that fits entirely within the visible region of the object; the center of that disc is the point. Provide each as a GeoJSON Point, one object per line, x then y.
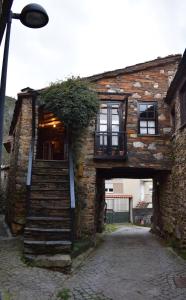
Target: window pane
{"type": "Point", "coordinates": [115, 119]}
{"type": "Point", "coordinates": [103, 110]}
{"type": "Point", "coordinates": [144, 115]}
{"type": "Point", "coordinates": [115, 128]}
{"type": "Point", "coordinates": [143, 123]}
{"type": "Point", "coordinates": [103, 127]}
{"type": "Point", "coordinates": [114, 140]}
{"type": "Point", "coordinates": [151, 130]}
{"type": "Point", "coordinates": [103, 105]}
{"type": "Point", "coordinates": [151, 123]}
{"type": "Point", "coordinates": [151, 107]}
{"type": "Point", "coordinates": [143, 130]}
{"type": "Point", "coordinates": [103, 140]}
{"type": "Point", "coordinates": [151, 114]}
{"type": "Point", "coordinates": [143, 107]}
{"type": "Point", "coordinates": [115, 111]}
{"type": "Point", "coordinates": [115, 105]}
{"type": "Point", "coordinates": [103, 119]}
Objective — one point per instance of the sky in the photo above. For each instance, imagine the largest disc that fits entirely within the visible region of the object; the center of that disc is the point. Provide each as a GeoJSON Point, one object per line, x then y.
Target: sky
{"type": "Point", "coordinates": [87, 37]}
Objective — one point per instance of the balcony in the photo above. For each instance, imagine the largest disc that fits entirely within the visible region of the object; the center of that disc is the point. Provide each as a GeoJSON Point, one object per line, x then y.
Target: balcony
{"type": "Point", "coordinates": [110, 145]}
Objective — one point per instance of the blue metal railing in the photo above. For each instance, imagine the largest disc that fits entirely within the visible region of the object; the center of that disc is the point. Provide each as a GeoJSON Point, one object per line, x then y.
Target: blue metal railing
{"type": "Point", "coordinates": [72, 194]}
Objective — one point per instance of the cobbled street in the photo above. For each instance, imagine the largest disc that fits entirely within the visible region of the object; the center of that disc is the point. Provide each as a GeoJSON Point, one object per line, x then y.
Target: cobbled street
{"type": "Point", "coordinates": [131, 264]}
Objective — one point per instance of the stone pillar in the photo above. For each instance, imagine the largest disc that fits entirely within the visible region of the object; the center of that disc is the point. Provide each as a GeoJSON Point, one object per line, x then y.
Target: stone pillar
{"type": "Point", "coordinates": [85, 175]}
{"type": "Point", "coordinates": [21, 129]}
{"type": "Point", "coordinates": [163, 209]}
{"type": "Point", "coordinates": [100, 204]}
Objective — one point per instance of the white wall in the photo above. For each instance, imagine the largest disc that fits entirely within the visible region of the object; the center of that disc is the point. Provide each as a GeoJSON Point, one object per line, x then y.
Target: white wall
{"type": "Point", "coordinates": [140, 189]}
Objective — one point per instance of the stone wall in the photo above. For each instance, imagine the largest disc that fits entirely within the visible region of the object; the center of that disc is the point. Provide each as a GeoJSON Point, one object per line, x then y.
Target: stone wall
{"type": "Point", "coordinates": [16, 190]}
{"type": "Point", "coordinates": [147, 85]}
{"type": "Point", "coordinates": [85, 184]}
{"type": "Point", "coordinates": [3, 185]}
{"type": "Point", "coordinates": [147, 152]}
{"type": "Point", "coordinates": [179, 180]}
{"type": "Point", "coordinates": [174, 188]}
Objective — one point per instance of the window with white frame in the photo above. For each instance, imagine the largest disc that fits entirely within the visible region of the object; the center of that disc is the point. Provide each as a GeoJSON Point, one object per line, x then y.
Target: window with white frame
{"type": "Point", "coordinates": [147, 123]}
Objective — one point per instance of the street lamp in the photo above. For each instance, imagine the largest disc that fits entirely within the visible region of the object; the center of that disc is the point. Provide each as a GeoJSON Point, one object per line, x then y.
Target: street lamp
{"type": "Point", "coordinates": [32, 16]}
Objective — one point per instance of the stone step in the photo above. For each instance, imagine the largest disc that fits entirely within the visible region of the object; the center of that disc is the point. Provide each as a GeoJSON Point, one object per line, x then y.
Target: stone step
{"type": "Point", "coordinates": [58, 261]}
{"type": "Point", "coordinates": [50, 178]}
{"type": "Point", "coordinates": [50, 186]}
{"type": "Point", "coordinates": [49, 195]}
{"type": "Point", "coordinates": [48, 222]}
{"type": "Point", "coordinates": [50, 211]}
{"type": "Point", "coordinates": [47, 234]}
{"type": "Point", "coordinates": [46, 247]}
{"type": "Point", "coordinates": [57, 164]}
{"type": "Point", "coordinates": [54, 203]}
{"type": "Point", "coordinates": [49, 171]}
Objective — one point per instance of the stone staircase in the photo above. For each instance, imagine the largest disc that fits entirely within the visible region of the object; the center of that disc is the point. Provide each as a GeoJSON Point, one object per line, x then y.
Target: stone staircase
{"type": "Point", "coordinates": [47, 235]}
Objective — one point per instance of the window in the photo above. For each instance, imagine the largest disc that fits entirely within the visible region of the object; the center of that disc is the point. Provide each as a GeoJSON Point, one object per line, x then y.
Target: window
{"type": "Point", "coordinates": [183, 105]}
{"type": "Point", "coordinates": [109, 131]}
{"type": "Point", "coordinates": [109, 122]}
{"type": "Point", "coordinates": [109, 188]}
{"type": "Point", "coordinates": [147, 118]}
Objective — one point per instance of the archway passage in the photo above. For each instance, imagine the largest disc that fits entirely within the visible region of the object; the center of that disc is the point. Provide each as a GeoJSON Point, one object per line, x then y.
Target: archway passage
{"type": "Point", "coordinates": [52, 144]}
{"type": "Point", "coordinates": [134, 208]}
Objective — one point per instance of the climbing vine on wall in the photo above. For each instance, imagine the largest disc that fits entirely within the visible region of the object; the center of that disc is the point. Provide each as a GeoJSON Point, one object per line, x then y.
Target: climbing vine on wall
{"type": "Point", "coordinates": [73, 101]}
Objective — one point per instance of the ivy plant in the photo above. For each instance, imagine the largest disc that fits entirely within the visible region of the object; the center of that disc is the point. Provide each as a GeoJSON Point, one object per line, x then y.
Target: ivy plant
{"type": "Point", "coordinates": [73, 101]}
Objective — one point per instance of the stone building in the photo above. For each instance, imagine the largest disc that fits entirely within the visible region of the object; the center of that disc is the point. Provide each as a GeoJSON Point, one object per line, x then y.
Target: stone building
{"type": "Point", "coordinates": [131, 138]}
{"type": "Point", "coordinates": [176, 182]}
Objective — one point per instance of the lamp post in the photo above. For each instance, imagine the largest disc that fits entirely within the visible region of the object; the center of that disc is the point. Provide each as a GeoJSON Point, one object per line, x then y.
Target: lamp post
{"type": "Point", "coordinates": [32, 16]}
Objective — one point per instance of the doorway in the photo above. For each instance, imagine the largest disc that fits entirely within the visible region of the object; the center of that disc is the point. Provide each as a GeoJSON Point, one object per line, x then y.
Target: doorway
{"type": "Point", "coordinates": [52, 141]}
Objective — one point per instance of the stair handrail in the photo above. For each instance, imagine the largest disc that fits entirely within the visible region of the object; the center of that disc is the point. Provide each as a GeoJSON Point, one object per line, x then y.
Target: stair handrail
{"type": "Point", "coordinates": [72, 195]}
{"type": "Point", "coordinates": [72, 185]}
{"type": "Point", "coordinates": [32, 143]}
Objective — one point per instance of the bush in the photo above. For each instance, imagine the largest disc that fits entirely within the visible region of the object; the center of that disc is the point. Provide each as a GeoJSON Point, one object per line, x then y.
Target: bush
{"type": "Point", "coordinates": [73, 101]}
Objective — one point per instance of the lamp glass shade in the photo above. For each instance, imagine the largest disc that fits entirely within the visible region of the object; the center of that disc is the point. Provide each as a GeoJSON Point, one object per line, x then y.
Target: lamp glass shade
{"type": "Point", "coordinates": [34, 16]}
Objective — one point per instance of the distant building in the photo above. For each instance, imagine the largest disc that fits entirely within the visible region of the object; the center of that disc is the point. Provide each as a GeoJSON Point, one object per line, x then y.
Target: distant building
{"type": "Point", "coordinates": [120, 192]}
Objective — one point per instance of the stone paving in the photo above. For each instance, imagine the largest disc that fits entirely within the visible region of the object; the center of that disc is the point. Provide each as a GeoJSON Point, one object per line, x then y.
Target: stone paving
{"type": "Point", "coordinates": [131, 264]}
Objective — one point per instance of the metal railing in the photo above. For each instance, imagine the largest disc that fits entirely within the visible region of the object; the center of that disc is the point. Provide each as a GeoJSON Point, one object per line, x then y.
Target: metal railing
{"type": "Point", "coordinates": [31, 156]}
{"type": "Point", "coordinates": [72, 193]}
{"type": "Point", "coordinates": [110, 144]}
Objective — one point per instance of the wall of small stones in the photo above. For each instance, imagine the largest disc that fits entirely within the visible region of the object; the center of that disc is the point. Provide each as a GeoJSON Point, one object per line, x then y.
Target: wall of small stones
{"type": "Point", "coordinates": [146, 85]}
{"type": "Point", "coordinates": [16, 190]}
{"type": "Point", "coordinates": [150, 152]}
{"type": "Point", "coordinates": [179, 177]}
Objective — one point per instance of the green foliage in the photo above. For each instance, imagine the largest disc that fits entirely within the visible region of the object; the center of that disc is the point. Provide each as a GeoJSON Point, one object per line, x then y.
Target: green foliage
{"type": "Point", "coordinates": [73, 101]}
{"type": "Point", "coordinates": [109, 228]}
{"type": "Point", "coordinates": [64, 294]}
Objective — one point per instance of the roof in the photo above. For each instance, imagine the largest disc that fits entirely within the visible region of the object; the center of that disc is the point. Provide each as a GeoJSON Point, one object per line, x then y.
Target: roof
{"type": "Point", "coordinates": [24, 92]}
{"type": "Point", "coordinates": [160, 61]}
{"type": "Point", "coordinates": [117, 196]}
{"type": "Point", "coordinates": [181, 72]}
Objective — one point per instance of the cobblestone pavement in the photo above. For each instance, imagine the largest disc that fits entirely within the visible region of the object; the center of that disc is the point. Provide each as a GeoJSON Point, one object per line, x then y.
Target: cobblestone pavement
{"type": "Point", "coordinates": [130, 264]}
{"type": "Point", "coordinates": [21, 282]}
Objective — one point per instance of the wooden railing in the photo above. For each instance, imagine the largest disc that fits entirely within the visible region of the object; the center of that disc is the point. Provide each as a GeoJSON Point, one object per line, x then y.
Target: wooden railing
{"type": "Point", "coordinates": [110, 145]}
